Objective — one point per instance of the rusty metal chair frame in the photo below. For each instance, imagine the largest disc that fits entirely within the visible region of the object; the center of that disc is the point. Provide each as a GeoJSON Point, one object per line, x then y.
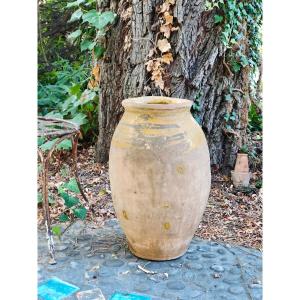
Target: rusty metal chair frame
{"type": "Point", "coordinates": [61, 129]}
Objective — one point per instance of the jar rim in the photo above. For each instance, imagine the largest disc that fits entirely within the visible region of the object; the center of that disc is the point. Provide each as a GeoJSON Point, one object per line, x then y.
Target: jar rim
{"type": "Point", "coordinates": [157, 102]}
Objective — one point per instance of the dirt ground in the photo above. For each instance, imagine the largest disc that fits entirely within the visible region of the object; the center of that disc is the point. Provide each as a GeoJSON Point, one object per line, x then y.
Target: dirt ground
{"type": "Point", "coordinates": [232, 216]}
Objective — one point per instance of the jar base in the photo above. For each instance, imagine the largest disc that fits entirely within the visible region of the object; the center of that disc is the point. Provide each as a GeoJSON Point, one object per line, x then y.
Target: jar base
{"type": "Point", "coordinates": [156, 258]}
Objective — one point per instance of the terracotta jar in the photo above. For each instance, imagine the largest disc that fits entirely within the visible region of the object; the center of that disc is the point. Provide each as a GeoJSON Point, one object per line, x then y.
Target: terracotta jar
{"type": "Point", "coordinates": [241, 164]}
{"type": "Point", "coordinates": [160, 178]}
{"type": "Point", "coordinates": [240, 175]}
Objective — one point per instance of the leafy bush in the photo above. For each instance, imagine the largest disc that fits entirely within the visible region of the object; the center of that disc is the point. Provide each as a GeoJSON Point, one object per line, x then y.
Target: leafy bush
{"type": "Point", "coordinates": [92, 25]}
{"type": "Point", "coordinates": [255, 118]}
{"type": "Point", "coordinates": [73, 208]}
{"type": "Point", "coordinates": [63, 93]}
{"type": "Point", "coordinates": [52, 35]}
{"type": "Point", "coordinates": [69, 90]}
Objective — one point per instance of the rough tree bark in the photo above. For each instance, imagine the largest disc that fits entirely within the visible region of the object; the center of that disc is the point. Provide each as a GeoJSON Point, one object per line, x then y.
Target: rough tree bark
{"type": "Point", "coordinates": [198, 67]}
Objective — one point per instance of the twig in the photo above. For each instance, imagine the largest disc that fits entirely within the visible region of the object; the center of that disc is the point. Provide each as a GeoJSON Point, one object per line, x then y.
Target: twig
{"type": "Point", "coordinates": [238, 90]}
{"type": "Point", "coordinates": [227, 67]}
{"type": "Point", "coordinates": [146, 271]}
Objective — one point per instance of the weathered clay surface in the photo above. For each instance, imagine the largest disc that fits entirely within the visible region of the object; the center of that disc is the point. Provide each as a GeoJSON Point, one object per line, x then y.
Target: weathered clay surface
{"type": "Point", "coordinates": [99, 258]}
{"type": "Point", "coordinates": [160, 176]}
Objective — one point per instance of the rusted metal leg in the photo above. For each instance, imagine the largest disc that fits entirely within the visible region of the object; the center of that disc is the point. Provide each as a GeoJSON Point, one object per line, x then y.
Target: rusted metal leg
{"type": "Point", "coordinates": [45, 164]}
{"type": "Point", "coordinates": [75, 170]}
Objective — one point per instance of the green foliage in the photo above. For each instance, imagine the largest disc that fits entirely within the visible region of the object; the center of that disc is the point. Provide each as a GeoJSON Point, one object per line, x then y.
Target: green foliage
{"type": "Point", "coordinates": [47, 145]}
{"type": "Point", "coordinates": [40, 198]}
{"type": "Point", "coordinates": [64, 90]}
{"type": "Point", "coordinates": [56, 230]}
{"type": "Point", "coordinates": [74, 35]}
{"type": "Point", "coordinates": [218, 19]}
{"type": "Point", "coordinates": [241, 23]}
{"type": "Point", "coordinates": [255, 118]}
{"type": "Point", "coordinates": [69, 200]}
{"type": "Point", "coordinates": [72, 186]}
{"type": "Point", "coordinates": [74, 208]}
{"type": "Point", "coordinates": [92, 25]}
{"type": "Point", "coordinates": [52, 35]}
{"type": "Point", "coordinates": [64, 218]}
{"type": "Point", "coordinates": [258, 184]}
{"type": "Point", "coordinates": [69, 48]}
{"type": "Point", "coordinates": [80, 212]}
{"type": "Point", "coordinates": [65, 145]}
{"type": "Point", "coordinates": [63, 93]}
{"type": "Point", "coordinates": [240, 20]}
{"type": "Point", "coordinates": [244, 149]}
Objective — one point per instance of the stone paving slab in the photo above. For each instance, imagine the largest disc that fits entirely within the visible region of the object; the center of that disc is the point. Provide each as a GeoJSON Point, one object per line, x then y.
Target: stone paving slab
{"type": "Point", "coordinates": [99, 258]}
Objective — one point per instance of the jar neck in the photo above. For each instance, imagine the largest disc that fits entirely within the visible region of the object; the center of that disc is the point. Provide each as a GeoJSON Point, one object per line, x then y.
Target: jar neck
{"type": "Point", "coordinates": [158, 112]}
{"type": "Point", "coordinates": [157, 103]}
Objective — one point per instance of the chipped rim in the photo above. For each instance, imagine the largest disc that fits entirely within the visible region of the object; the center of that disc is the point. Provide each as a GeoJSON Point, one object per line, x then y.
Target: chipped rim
{"type": "Point", "coordinates": [157, 102]}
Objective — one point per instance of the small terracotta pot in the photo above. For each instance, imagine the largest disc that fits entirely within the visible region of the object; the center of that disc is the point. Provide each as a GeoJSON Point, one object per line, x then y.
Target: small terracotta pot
{"type": "Point", "coordinates": [242, 164]}
{"type": "Point", "coordinates": [240, 178]}
{"type": "Point", "coordinates": [241, 175]}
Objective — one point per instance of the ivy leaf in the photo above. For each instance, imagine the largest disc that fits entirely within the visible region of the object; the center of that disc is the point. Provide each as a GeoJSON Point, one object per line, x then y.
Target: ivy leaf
{"type": "Point", "coordinates": [218, 19]}
{"type": "Point", "coordinates": [226, 117]}
{"type": "Point", "coordinates": [99, 51]}
{"type": "Point", "coordinates": [54, 114]}
{"type": "Point", "coordinates": [75, 89]}
{"type": "Point", "coordinates": [76, 15]}
{"type": "Point", "coordinates": [87, 96]}
{"type": "Point", "coordinates": [64, 145]}
{"type": "Point", "coordinates": [72, 186]}
{"type": "Point", "coordinates": [63, 218]}
{"type": "Point", "coordinates": [63, 194]}
{"type": "Point", "coordinates": [50, 199]}
{"type": "Point", "coordinates": [74, 35]}
{"type": "Point", "coordinates": [48, 145]}
{"type": "Point", "coordinates": [228, 97]}
{"type": "Point", "coordinates": [87, 45]}
{"type": "Point", "coordinates": [91, 17]}
{"type": "Point", "coordinates": [41, 141]}
{"type": "Point", "coordinates": [79, 119]}
{"type": "Point", "coordinates": [56, 230]}
{"type": "Point", "coordinates": [198, 119]}
{"type": "Point", "coordinates": [244, 61]}
{"type": "Point", "coordinates": [80, 212]}
{"type": "Point", "coordinates": [69, 200]}
{"type": "Point", "coordinates": [100, 21]}
{"type": "Point", "coordinates": [105, 18]}
{"type": "Point", "coordinates": [236, 67]}
{"type": "Point", "coordinates": [75, 3]}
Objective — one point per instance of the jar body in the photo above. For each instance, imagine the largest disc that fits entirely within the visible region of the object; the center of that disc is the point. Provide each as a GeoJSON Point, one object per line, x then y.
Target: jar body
{"type": "Point", "coordinates": [160, 178]}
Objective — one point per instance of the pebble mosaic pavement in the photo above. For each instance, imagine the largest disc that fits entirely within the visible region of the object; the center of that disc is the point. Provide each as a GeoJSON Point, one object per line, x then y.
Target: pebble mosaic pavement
{"type": "Point", "coordinates": [99, 258]}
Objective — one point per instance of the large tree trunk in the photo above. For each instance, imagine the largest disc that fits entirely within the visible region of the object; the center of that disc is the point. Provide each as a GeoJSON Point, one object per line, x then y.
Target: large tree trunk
{"type": "Point", "coordinates": [199, 68]}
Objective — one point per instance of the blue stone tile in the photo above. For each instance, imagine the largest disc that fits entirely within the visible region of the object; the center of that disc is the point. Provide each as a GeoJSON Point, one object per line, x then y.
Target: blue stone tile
{"type": "Point", "coordinates": [122, 296]}
{"type": "Point", "coordinates": [55, 289]}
